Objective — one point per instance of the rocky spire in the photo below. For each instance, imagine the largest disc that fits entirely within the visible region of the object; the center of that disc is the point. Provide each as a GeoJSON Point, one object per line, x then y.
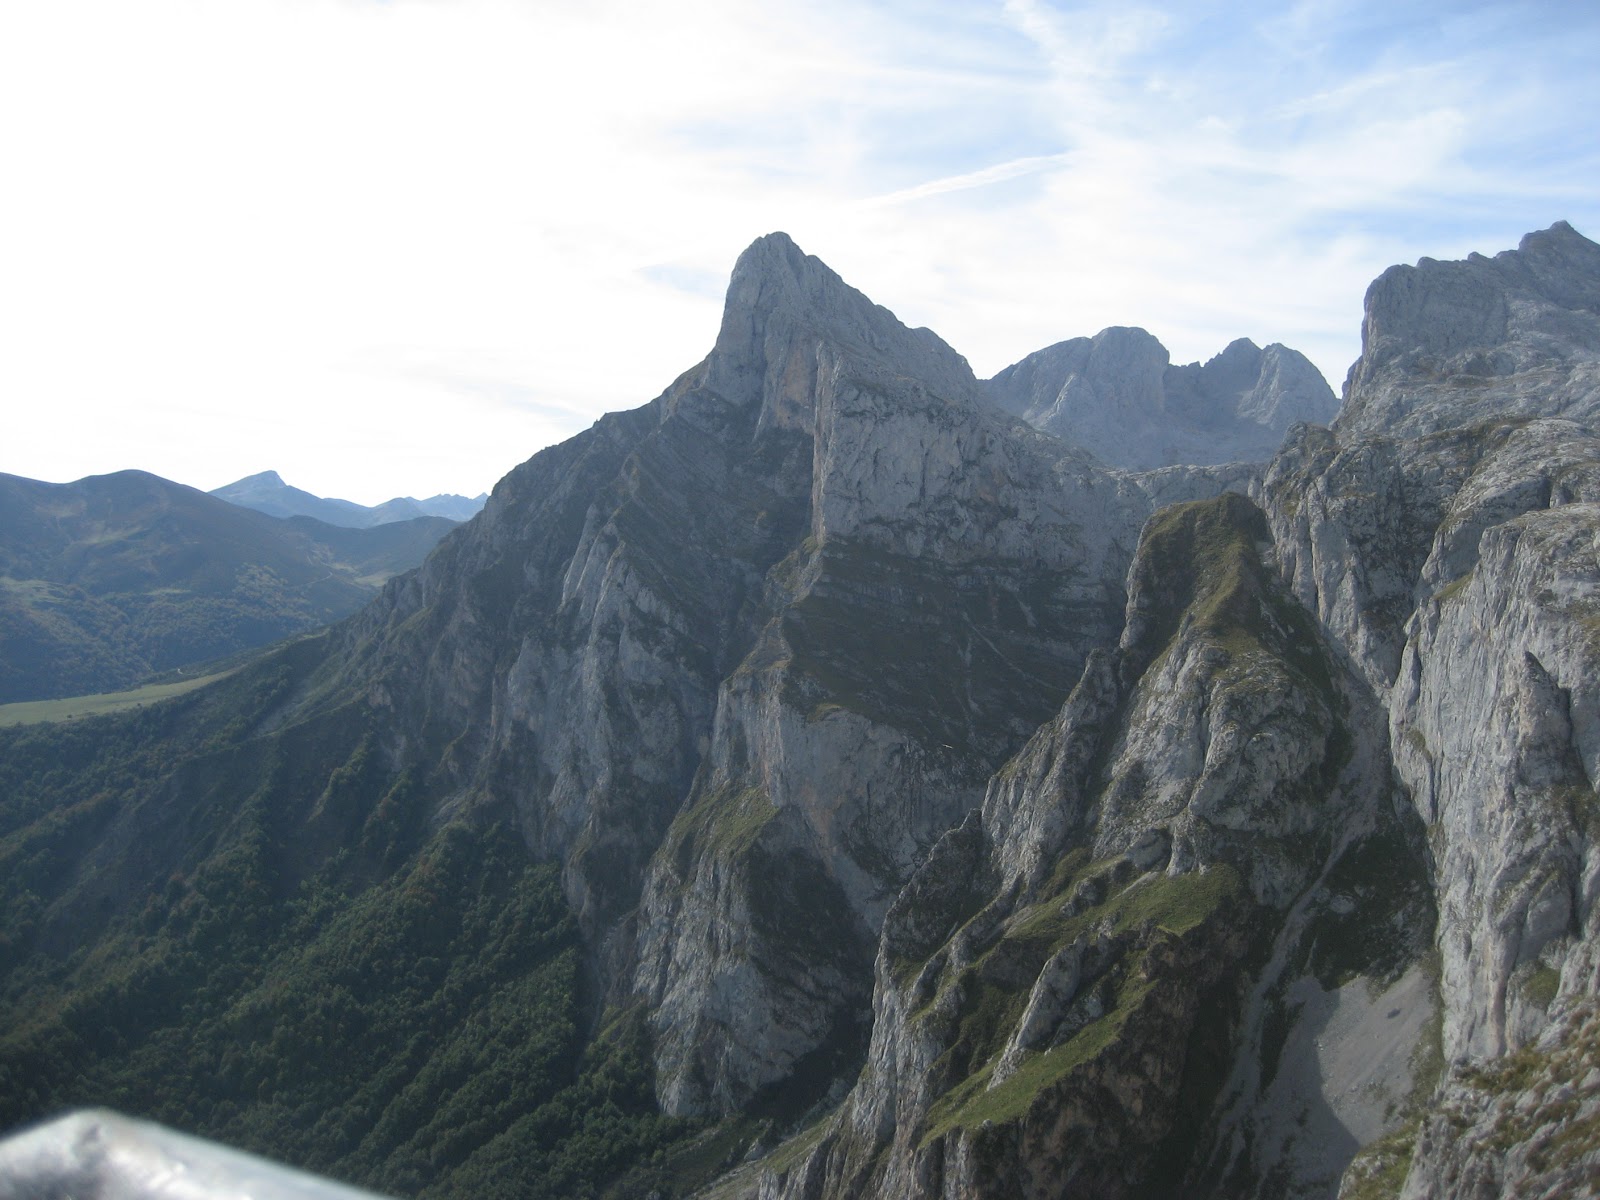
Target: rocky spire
{"type": "Point", "coordinates": [783, 303]}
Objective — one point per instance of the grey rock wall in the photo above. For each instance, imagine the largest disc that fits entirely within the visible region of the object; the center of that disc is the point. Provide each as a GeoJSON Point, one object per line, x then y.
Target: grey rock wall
{"type": "Point", "coordinates": [1442, 538]}
{"type": "Point", "coordinates": [1052, 826]}
{"type": "Point", "coordinates": [1446, 344]}
{"type": "Point", "coordinates": [1118, 396]}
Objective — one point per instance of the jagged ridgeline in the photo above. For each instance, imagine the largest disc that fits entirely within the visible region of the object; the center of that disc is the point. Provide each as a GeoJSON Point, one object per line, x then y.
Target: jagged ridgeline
{"type": "Point", "coordinates": [822, 783]}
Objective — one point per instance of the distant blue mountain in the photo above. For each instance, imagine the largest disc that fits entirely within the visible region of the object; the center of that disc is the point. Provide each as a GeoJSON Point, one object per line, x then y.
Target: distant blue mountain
{"type": "Point", "coordinates": [111, 579]}
{"type": "Point", "coordinates": [268, 493]}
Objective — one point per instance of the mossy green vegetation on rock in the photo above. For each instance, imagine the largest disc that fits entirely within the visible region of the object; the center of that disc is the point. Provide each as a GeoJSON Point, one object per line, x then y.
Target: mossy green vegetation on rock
{"type": "Point", "coordinates": [1379, 916]}
{"type": "Point", "coordinates": [1200, 573]}
{"type": "Point", "coordinates": [1540, 986]}
{"type": "Point", "coordinates": [594, 817]}
{"type": "Point", "coordinates": [1071, 964]}
{"type": "Point", "coordinates": [1528, 1122]}
{"type": "Point", "coordinates": [995, 989]}
{"type": "Point", "coordinates": [725, 821]}
{"type": "Point", "coordinates": [1379, 1171]}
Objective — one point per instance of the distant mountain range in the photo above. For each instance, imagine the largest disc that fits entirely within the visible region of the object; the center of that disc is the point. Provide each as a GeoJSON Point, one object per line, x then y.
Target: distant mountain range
{"type": "Point", "coordinates": [268, 493]}
{"type": "Point", "coordinates": [108, 580]}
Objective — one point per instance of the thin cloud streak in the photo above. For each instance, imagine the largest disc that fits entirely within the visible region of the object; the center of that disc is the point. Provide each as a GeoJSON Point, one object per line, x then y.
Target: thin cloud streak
{"type": "Point", "coordinates": [999, 173]}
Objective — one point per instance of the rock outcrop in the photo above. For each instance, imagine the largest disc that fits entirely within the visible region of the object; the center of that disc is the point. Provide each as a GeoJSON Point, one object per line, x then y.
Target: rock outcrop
{"type": "Point", "coordinates": [1447, 344]}
{"type": "Point", "coordinates": [1127, 875]}
{"type": "Point", "coordinates": [1449, 564]}
{"type": "Point", "coordinates": [1118, 396]}
{"type": "Point", "coordinates": [1445, 534]}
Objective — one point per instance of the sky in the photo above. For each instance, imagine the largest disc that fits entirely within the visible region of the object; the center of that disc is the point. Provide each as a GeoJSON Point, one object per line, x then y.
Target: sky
{"type": "Point", "coordinates": [395, 247]}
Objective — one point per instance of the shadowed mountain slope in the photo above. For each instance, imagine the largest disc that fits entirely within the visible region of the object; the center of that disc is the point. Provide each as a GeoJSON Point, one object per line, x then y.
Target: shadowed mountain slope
{"type": "Point", "coordinates": [108, 580]}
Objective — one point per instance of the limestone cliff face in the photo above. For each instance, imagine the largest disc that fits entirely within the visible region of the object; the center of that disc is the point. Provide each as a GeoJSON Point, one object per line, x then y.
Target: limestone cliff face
{"type": "Point", "coordinates": [957, 570]}
{"type": "Point", "coordinates": [1496, 735]}
{"type": "Point", "coordinates": [1053, 829]}
{"type": "Point", "coordinates": [1392, 761]}
{"type": "Point", "coordinates": [1054, 985]}
{"type": "Point", "coordinates": [1444, 533]}
{"type": "Point", "coordinates": [739, 658]}
{"type": "Point", "coordinates": [1118, 396]}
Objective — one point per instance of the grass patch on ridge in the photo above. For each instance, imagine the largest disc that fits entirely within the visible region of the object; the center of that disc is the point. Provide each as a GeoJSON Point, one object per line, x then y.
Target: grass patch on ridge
{"type": "Point", "coordinates": [1173, 904]}
{"type": "Point", "coordinates": [41, 712]}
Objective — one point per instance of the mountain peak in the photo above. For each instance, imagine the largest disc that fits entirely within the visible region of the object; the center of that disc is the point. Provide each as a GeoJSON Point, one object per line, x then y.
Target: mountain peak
{"type": "Point", "coordinates": [261, 477]}
{"type": "Point", "coordinates": [783, 303]}
{"type": "Point", "coordinates": [774, 246]}
{"type": "Point", "coordinates": [1559, 235]}
{"type": "Point", "coordinates": [774, 273]}
{"type": "Point", "coordinates": [267, 492]}
{"type": "Point", "coordinates": [1119, 396]}
{"type": "Point", "coordinates": [1503, 323]}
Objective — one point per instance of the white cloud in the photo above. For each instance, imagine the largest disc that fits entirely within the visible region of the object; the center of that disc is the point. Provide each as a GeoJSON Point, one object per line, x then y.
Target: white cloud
{"type": "Point", "coordinates": [397, 247]}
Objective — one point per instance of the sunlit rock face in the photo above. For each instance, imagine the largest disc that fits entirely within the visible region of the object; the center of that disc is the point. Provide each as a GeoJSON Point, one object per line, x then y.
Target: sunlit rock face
{"type": "Point", "coordinates": [96, 1153]}
{"type": "Point", "coordinates": [1450, 344]}
{"type": "Point", "coordinates": [956, 569]}
{"type": "Point", "coordinates": [1119, 396]}
{"type": "Point", "coordinates": [1446, 533]}
{"type": "Point", "coordinates": [1045, 983]}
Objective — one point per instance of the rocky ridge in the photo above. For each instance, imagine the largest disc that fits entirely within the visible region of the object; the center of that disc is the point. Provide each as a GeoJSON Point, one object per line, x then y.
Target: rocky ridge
{"type": "Point", "coordinates": [836, 755]}
{"type": "Point", "coordinates": [267, 492]}
{"type": "Point", "coordinates": [1119, 396]}
{"type": "Point", "coordinates": [1446, 344]}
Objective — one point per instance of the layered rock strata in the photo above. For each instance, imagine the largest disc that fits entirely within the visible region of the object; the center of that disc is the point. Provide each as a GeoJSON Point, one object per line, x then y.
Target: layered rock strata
{"type": "Point", "coordinates": [997, 823]}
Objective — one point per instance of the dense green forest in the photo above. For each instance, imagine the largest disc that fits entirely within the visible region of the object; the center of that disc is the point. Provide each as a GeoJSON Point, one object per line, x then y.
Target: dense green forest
{"type": "Point", "coordinates": [255, 934]}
